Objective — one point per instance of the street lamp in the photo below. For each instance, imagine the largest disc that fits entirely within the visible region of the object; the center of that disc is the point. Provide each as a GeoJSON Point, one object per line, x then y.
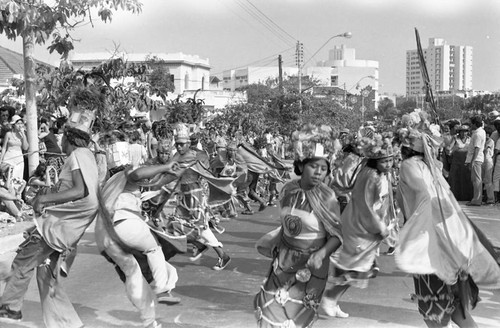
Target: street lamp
{"type": "Point", "coordinates": [355, 84]}
{"type": "Point", "coordinates": [361, 79]}
{"type": "Point", "coordinates": [346, 35]}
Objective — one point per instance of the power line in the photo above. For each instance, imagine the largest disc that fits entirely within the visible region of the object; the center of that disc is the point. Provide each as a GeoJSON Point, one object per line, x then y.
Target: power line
{"type": "Point", "coordinates": [256, 15]}
{"type": "Point", "coordinates": [255, 62]}
{"type": "Point", "coordinates": [241, 17]}
{"type": "Point", "coordinates": [270, 20]}
{"type": "Point", "coordinates": [259, 19]}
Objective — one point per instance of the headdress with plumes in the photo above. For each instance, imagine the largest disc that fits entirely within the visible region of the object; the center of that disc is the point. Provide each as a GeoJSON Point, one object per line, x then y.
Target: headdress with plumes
{"type": "Point", "coordinates": [417, 130]}
{"type": "Point", "coordinates": [366, 132]}
{"type": "Point", "coordinates": [81, 119]}
{"type": "Point", "coordinates": [376, 147]}
{"type": "Point", "coordinates": [84, 103]}
{"type": "Point", "coordinates": [313, 142]}
{"type": "Point", "coordinates": [181, 133]}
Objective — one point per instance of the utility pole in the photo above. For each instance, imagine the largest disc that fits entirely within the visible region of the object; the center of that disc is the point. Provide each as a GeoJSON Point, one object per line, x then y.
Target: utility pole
{"type": "Point", "coordinates": [345, 97]}
{"type": "Point", "coordinates": [299, 54]}
{"type": "Point", "coordinates": [280, 74]}
{"type": "Point", "coordinates": [280, 81]}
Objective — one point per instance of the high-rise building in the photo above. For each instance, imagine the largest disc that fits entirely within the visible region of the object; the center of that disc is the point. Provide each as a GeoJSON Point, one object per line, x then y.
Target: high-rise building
{"type": "Point", "coordinates": [449, 68]}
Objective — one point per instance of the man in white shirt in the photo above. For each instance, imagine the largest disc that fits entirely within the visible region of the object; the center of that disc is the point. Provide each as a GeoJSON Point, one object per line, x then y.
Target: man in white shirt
{"type": "Point", "coordinates": [475, 159]}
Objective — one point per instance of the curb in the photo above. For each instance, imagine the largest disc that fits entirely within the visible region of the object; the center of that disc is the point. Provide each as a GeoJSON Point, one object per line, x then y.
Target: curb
{"type": "Point", "coordinates": [10, 243]}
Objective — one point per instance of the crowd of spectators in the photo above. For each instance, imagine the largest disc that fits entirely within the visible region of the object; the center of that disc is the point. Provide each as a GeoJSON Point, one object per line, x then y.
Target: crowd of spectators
{"type": "Point", "coordinates": [17, 187]}
{"type": "Point", "coordinates": [469, 157]}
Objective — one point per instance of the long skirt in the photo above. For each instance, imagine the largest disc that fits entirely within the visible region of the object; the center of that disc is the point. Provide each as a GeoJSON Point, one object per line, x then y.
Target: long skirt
{"type": "Point", "coordinates": [437, 301]}
{"type": "Point", "coordinates": [291, 292]}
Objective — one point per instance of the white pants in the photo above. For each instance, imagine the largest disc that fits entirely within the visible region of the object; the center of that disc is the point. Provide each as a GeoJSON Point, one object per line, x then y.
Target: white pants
{"type": "Point", "coordinates": [135, 233]}
{"type": "Point", "coordinates": [139, 292]}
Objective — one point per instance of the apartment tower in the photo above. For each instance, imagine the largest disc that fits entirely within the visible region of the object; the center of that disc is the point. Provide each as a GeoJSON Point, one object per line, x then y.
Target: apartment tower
{"type": "Point", "coordinates": [449, 68]}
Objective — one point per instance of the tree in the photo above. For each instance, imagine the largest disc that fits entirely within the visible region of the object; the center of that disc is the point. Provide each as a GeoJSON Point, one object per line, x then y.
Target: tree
{"type": "Point", "coordinates": [386, 109]}
{"type": "Point", "coordinates": [406, 105]}
{"type": "Point", "coordinates": [36, 22]}
{"type": "Point", "coordinates": [285, 112]}
{"type": "Point", "coordinates": [159, 77]}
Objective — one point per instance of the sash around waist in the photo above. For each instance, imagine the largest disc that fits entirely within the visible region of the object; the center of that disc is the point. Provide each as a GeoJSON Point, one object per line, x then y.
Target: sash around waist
{"type": "Point", "coordinates": [303, 245]}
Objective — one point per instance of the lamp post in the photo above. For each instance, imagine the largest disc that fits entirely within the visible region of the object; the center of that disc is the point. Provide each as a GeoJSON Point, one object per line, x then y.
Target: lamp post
{"type": "Point", "coordinates": [356, 84]}
{"type": "Point", "coordinates": [346, 35]}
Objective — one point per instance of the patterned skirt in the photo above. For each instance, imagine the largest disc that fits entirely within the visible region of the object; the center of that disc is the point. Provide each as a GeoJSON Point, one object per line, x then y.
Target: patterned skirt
{"type": "Point", "coordinates": [436, 300]}
{"type": "Point", "coordinates": [291, 294]}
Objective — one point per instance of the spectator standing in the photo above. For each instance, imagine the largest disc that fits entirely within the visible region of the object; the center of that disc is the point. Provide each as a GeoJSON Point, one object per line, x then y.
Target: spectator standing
{"type": "Point", "coordinates": [458, 179]}
{"type": "Point", "coordinates": [496, 163]}
{"type": "Point", "coordinates": [52, 150]}
{"type": "Point", "coordinates": [14, 143]}
{"type": "Point", "coordinates": [489, 148]}
{"type": "Point", "coordinates": [137, 152]}
{"type": "Point", "coordinates": [6, 112]}
{"type": "Point", "coordinates": [475, 159]}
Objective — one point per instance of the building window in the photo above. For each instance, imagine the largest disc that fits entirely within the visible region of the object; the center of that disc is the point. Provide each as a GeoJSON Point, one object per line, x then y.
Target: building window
{"type": "Point", "coordinates": [203, 83]}
{"type": "Point", "coordinates": [186, 81]}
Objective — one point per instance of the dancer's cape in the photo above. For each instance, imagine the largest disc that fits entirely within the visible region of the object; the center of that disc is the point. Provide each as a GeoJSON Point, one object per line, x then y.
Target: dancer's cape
{"type": "Point", "coordinates": [438, 237]}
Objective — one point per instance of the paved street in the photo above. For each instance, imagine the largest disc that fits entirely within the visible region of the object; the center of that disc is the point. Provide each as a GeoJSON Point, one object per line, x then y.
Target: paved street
{"type": "Point", "coordinates": [224, 299]}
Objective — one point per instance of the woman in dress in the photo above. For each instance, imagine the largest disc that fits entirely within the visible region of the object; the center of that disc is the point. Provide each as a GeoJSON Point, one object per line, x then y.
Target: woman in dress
{"type": "Point", "coordinates": [14, 143]}
{"type": "Point", "coordinates": [309, 233]}
{"type": "Point", "coordinates": [366, 221]}
{"type": "Point", "coordinates": [448, 256]}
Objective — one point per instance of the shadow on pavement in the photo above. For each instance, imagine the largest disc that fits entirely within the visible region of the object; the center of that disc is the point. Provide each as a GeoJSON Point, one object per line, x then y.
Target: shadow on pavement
{"type": "Point", "coordinates": [224, 298]}
{"type": "Point", "coordinates": [379, 313]}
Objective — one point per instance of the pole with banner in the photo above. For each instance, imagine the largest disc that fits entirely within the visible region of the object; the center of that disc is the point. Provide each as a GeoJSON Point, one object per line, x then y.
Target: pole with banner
{"type": "Point", "coordinates": [429, 96]}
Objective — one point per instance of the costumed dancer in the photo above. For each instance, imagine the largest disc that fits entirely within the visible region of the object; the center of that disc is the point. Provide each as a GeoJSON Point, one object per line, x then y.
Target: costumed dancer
{"type": "Point", "coordinates": [447, 254]}
{"type": "Point", "coordinates": [301, 247]}
{"type": "Point", "coordinates": [366, 221]}
{"type": "Point", "coordinates": [191, 203]}
{"type": "Point", "coordinates": [345, 172]}
{"type": "Point", "coordinates": [283, 174]}
{"type": "Point", "coordinates": [122, 232]}
{"type": "Point", "coordinates": [254, 171]}
{"type": "Point", "coordinates": [234, 168]}
{"type": "Point", "coordinates": [50, 247]}
{"type": "Point", "coordinates": [257, 165]}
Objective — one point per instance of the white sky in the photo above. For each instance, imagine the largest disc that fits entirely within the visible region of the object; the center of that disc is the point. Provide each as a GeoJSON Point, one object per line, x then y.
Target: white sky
{"type": "Point", "coordinates": [230, 37]}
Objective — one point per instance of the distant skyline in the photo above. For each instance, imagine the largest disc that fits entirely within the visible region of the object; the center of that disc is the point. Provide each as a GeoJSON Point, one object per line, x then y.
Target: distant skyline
{"type": "Point", "coordinates": [240, 33]}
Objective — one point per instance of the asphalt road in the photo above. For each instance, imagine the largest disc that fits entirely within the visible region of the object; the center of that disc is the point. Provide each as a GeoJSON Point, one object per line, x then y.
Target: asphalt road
{"type": "Point", "coordinates": [224, 299]}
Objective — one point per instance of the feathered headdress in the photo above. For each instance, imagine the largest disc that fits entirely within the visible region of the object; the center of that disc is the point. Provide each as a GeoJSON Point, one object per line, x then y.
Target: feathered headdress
{"type": "Point", "coordinates": [313, 141]}
{"type": "Point", "coordinates": [181, 133]}
{"type": "Point", "coordinates": [376, 147]}
{"type": "Point", "coordinates": [81, 119]}
{"type": "Point", "coordinates": [419, 130]}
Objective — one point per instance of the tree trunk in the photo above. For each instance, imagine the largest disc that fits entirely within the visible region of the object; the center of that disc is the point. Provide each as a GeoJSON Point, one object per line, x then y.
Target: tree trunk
{"type": "Point", "coordinates": [30, 94]}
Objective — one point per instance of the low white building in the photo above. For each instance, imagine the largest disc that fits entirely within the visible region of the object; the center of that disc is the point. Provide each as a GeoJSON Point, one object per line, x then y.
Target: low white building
{"type": "Point", "coordinates": [188, 72]}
